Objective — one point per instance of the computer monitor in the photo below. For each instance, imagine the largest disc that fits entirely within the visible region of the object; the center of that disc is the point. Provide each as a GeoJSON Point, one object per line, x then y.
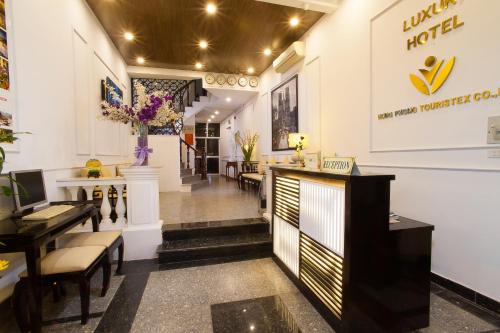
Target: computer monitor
{"type": "Point", "coordinates": [28, 189]}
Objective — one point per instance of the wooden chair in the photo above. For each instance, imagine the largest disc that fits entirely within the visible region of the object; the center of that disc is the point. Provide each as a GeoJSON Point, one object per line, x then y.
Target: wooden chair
{"type": "Point", "coordinates": [77, 265]}
{"type": "Point", "coordinates": [111, 240]}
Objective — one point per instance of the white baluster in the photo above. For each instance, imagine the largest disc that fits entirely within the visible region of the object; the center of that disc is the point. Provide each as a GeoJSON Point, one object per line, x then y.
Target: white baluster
{"type": "Point", "coordinates": [120, 207]}
{"type": "Point", "coordinates": [73, 192]}
{"type": "Point", "coordinates": [90, 192]}
{"type": "Point", "coordinates": [105, 207]}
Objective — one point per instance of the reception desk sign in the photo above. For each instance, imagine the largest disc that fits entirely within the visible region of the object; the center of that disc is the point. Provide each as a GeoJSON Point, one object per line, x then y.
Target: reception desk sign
{"type": "Point", "coordinates": [339, 165]}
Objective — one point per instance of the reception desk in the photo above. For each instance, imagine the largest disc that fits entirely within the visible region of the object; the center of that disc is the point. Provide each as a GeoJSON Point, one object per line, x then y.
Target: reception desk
{"type": "Point", "coordinates": [333, 238]}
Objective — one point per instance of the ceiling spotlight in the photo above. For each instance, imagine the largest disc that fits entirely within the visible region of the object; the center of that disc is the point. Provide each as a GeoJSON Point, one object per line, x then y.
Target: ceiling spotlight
{"type": "Point", "coordinates": [128, 36]}
{"type": "Point", "coordinates": [216, 112]}
{"type": "Point", "coordinates": [228, 99]}
{"type": "Point", "coordinates": [294, 21]}
{"type": "Point", "coordinates": [140, 60]}
{"type": "Point", "coordinates": [267, 52]}
{"type": "Point", "coordinates": [211, 8]}
{"type": "Point", "coordinates": [198, 65]}
{"type": "Point", "coordinates": [203, 44]}
{"type": "Point", "coordinates": [209, 120]}
{"type": "Point", "coordinates": [212, 116]}
{"type": "Point", "coordinates": [250, 70]}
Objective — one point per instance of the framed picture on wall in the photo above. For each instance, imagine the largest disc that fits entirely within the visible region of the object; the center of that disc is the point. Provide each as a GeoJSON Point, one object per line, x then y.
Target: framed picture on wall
{"type": "Point", "coordinates": [111, 92]}
{"type": "Point", "coordinates": [284, 113]}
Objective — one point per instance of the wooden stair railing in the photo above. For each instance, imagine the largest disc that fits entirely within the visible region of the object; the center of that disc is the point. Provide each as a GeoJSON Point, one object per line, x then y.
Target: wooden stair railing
{"type": "Point", "coordinates": [202, 169]}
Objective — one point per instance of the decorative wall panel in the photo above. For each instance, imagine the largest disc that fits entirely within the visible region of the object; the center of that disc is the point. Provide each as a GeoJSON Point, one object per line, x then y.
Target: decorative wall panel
{"type": "Point", "coordinates": [321, 221]}
{"type": "Point", "coordinates": [286, 244]}
{"type": "Point", "coordinates": [321, 270]}
{"type": "Point", "coordinates": [286, 200]}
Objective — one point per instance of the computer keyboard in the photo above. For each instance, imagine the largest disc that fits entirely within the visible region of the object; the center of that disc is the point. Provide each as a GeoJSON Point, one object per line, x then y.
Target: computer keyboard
{"type": "Point", "coordinates": [48, 212]}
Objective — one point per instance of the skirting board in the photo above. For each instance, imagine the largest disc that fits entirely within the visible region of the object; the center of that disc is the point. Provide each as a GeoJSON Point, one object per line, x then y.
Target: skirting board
{"type": "Point", "coordinates": [467, 293]}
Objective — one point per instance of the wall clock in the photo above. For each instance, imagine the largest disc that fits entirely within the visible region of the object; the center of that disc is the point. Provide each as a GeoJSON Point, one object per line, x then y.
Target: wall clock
{"type": "Point", "coordinates": [242, 81]}
{"type": "Point", "coordinates": [231, 80]}
{"type": "Point", "coordinates": [210, 78]}
{"type": "Point", "coordinates": [221, 79]}
{"type": "Point", "coordinates": [253, 82]}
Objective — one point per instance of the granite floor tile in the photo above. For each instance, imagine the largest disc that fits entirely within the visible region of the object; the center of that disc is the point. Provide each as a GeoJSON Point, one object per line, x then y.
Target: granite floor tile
{"type": "Point", "coordinates": [446, 317]}
{"type": "Point", "coordinates": [220, 200]}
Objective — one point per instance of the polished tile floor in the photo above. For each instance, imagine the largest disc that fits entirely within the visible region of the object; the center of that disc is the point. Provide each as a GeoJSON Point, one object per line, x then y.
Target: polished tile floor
{"type": "Point", "coordinates": [199, 299]}
{"type": "Point", "coordinates": [220, 200]}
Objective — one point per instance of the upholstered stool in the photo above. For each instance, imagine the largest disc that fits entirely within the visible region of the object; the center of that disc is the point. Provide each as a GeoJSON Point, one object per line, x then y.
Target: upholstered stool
{"type": "Point", "coordinates": [109, 239]}
{"type": "Point", "coordinates": [77, 264]}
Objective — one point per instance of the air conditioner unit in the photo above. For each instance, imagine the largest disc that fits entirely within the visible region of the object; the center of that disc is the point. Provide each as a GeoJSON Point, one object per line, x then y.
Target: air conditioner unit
{"type": "Point", "coordinates": [292, 55]}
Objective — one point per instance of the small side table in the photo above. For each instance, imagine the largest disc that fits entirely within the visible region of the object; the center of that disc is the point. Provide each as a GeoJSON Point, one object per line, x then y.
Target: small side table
{"type": "Point", "coordinates": [234, 165]}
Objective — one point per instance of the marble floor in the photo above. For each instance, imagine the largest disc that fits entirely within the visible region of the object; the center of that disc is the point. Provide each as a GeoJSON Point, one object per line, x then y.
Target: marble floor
{"type": "Point", "coordinates": [199, 299]}
{"type": "Point", "coordinates": [220, 200]}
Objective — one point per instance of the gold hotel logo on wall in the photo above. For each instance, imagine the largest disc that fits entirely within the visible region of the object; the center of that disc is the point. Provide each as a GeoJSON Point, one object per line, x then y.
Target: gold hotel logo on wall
{"type": "Point", "coordinates": [435, 75]}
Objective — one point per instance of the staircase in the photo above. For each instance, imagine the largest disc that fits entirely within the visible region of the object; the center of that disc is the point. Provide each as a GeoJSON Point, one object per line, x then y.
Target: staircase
{"type": "Point", "coordinates": [227, 240]}
{"type": "Point", "coordinates": [190, 181]}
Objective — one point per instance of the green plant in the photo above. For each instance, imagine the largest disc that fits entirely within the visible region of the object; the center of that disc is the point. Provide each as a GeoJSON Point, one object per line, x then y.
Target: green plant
{"type": "Point", "coordinates": [7, 137]}
{"type": "Point", "coordinates": [247, 143]}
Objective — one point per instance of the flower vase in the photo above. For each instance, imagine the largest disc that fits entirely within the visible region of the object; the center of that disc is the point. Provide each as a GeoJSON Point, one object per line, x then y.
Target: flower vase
{"type": "Point", "coordinates": [142, 151]}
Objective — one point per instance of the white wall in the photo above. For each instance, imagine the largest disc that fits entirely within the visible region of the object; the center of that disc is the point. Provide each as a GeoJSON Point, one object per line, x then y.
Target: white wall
{"type": "Point", "coordinates": [455, 190]}
{"type": "Point", "coordinates": [61, 56]}
{"type": "Point", "coordinates": [165, 154]}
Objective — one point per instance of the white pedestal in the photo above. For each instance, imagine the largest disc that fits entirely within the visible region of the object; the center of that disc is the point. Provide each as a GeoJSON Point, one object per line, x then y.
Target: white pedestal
{"type": "Point", "coordinates": [143, 233]}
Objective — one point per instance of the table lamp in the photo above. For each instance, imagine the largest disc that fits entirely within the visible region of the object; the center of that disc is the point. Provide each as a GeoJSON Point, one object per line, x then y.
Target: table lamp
{"type": "Point", "coordinates": [299, 141]}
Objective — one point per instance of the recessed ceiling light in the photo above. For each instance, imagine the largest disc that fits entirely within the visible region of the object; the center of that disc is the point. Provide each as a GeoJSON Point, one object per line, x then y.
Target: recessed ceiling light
{"type": "Point", "coordinates": [128, 36]}
{"type": "Point", "coordinates": [203, 44]}
{"type": "Point", "coordinates": [212, 116]}
{"type": "Point", "coordinates": [209, 120]}
{"type": "Point", "coordinates": [198, 65]}
{"type": "Point", "coordinates": [140, 60]}
{"type": "Point", "coordinates": [211, 8]}
{"type": "Point", "coordinates": [216, 112]}
{"type": "Point", "coordinates": [250, 70]}
{"type": "Point", "coordinates": [294, 21]}
{"type": "Point", "coordinates": [228, 99]}
{"type": "Point", "coordinates": [267, 52]}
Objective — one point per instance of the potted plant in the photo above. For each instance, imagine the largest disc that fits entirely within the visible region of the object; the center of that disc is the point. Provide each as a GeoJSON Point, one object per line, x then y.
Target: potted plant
{"type": "Point", "coordinates": [247, 144]}
{"type": "Point", "coordinates": [155, 109]}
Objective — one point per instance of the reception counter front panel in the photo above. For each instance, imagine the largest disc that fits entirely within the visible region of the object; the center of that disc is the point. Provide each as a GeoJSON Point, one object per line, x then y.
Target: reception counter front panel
{"type": "Point", "coordinates": [332, 235]}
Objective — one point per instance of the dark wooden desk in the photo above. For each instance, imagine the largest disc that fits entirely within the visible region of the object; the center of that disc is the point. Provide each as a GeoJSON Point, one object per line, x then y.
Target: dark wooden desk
{"type": "Point", "coordinates": [30, 236]}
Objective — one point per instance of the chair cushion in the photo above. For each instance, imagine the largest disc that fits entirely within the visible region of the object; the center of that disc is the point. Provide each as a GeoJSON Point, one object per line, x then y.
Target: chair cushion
{"type": "Point", "coordinates": [75, 259]}
{"type": "Point", "coordinates": [101, 238]}
{"type": "Point", "coordinates": [253, 176]}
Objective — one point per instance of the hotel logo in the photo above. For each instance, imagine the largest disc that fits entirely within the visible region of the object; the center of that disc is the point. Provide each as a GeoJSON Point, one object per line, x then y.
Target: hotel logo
{"type": "Point", "coordinates": [435, 75]}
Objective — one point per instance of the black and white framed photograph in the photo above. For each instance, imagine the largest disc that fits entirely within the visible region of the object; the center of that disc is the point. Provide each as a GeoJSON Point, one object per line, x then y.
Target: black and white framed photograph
{"type": "Point", "coordinates": [285, 113]}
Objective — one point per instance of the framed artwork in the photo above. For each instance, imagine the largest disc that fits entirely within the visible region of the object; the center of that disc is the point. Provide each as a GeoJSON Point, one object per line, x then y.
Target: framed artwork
{"type": "Point", "coordinates": [8, 110]}
{"type": "Point", "coordinates": [284, 113]}
{"type": "Point", "coordinates": [106, 92]}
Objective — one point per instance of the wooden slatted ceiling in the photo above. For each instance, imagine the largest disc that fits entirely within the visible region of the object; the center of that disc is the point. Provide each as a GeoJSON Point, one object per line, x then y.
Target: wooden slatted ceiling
{"type": "Point", "coordinates": [168, 31]}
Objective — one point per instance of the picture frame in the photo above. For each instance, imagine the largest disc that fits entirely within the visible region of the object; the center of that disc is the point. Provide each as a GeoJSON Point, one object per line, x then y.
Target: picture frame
{"type": "Point", "coordinates": [284, 113]}
{"type": "Point", "coordinates": [106, 95]}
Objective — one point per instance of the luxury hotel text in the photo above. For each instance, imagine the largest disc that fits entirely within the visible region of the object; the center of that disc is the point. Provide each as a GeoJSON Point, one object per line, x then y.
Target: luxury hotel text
{"type": "Point", "coordinates": [434, 31]}
{"type": "Point", "coordinates": [460, 100]}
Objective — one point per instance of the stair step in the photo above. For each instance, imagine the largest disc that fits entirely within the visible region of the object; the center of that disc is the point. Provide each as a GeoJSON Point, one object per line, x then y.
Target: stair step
{"type": "Point", "coordinates": [189, 179]}
{"type": "Point", "coordinates": [186, 172]}
{"type": "Point", "coordinates": [215, 247]}
{"type": "Point", "coordinates": [214, 228]}
{"type": "Point", "coordinates": [193, 185]}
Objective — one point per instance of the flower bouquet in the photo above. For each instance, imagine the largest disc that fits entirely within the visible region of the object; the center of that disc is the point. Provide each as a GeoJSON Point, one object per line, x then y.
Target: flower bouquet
{"type": "Point", "coordinates": [155, 109]}
{"type": "Point", "coordinates": [247, 143]}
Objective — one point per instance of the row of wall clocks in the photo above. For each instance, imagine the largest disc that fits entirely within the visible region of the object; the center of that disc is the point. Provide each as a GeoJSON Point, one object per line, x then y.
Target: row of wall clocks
{"type": "Point", "coordinates": [230, 79]}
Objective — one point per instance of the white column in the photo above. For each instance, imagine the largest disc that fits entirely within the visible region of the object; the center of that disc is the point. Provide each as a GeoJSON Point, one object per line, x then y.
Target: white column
{"type": "Point", "coordinates": [269, 194]}
{"type": "Point", "coordinates": [105, 207]}
{"type": "Point", "coordinates": [120, 207]}
{"type": "Point", "coordinates": [73, 192]}
{"type": "Point", "coordinates": [143, 232]}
